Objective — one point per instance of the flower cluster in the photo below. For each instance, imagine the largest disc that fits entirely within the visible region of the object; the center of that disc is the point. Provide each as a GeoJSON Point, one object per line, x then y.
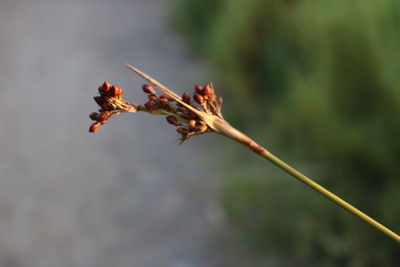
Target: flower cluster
{"type": "Point", "coordinates": [186, 112]}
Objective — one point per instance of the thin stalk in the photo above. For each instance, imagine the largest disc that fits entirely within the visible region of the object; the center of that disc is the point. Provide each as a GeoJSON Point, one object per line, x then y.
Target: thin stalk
{"type": "Point", "coordinates": [241, 138]}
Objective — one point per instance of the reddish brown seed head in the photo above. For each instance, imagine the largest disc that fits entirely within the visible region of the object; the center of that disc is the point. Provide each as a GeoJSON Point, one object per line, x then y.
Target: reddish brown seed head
{"type": "Point", "coordinates": [166, 97]}
{"type": "Point", "coordinates": [94, 127]}
{"type": "Point", "coordinates": [148, 89]}
{"type": "Point", "coordinates": [199, 98]}
{"type": "Point", "coordinates": [198, 89]}
{"type": "Point", "coordinates": [150, 105]}
{"type": "Point", "coordinates": [102, 116]}
{"type": "Point", "coordinates": [192, 123]}
{"type": "Point", "coordinates": [208, 92]}
{"type": "Point", "coordinates": [186, 98]}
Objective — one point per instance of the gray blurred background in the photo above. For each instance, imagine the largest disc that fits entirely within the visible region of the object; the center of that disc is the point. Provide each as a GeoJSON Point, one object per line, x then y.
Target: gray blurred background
{"type": "Point", "coordinates": [125, 196]}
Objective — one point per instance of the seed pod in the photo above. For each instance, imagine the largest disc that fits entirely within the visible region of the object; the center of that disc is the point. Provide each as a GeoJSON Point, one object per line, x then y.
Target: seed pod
{"type": "Point", "coordinates": [94, 127]}
{"type": "Point", "coordinates": [148, 89]}
{"type": "Point", "coordinates": [99, 100]}
{"type": "Point", "coordinates": [150, 105]}
{"type": "Point", "coordinates": [192, 123]}
{"type": "Point", "coordinates": [186, 98]}
{"type": "Point", "coordinates": [172, 120]}
{"type": "Point", "coordinates": [208, 92]}
{"type": "Point", "coordinates": [152, 98]}
{"type": "Point", "coordinates": [198, 89]}
{"type": "Point", "coordinates": [202, 128]}
{"type": "Point", "coordinates": [199, 98]}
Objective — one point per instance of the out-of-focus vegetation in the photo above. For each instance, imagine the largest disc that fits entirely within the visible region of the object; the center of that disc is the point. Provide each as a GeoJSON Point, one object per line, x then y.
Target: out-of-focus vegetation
{"type": "Point", "coordinates": [317, 82]}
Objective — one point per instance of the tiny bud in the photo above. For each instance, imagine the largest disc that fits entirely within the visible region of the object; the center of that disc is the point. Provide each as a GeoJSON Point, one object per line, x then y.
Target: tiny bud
{"type": "Point", "coordinates": [150, 105]}
{"type": "Point", "coordinates": [199, 89]}
{"type": "Point", "coordinates": [181, 130]}
{"type": "Point", "coordinates": [93, 116]}
{"type": "Point", "coordinates": [99, 100]}
{"type": "Point", "coordinates": [202, 128]}
{"type": "Point", "coordinates": [163, 101]}
{"type": "Point", "coordinates": [199, 98]}
{"type": "Point", "coordinates": [192, 123]}
{"type": "Point", "coordinates": [116, 91]}
{"type": "Point", "coordinates": [166, 97]}
{"type": "Point", "coordinates": [172, 120]}
{"type": "Point", "coordinates": [208, 92]}
{"type": "Point", "coordinates": [152, 98]}
{"type": "Point", "coordinates": [94, 127]}
{"type": "Point", "coordinates": [106, 86]}
{"type": "Point", "coordinates": [148, 89]}
{"type": "Point", "coordinates": [186, 98]}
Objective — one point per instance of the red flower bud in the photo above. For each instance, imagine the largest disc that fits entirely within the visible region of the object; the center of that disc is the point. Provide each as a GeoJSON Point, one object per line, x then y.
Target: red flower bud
{"type": "Point", "coordinates": [94, 127]}
{"type": "Point", "coordinates": [166, 97]}
{"type": "Point", "coordinates": [208, 92]}
{"type": "Point", "coordinates": [106, 86]}
{"type": "Point", "coordinates": [199, 99]}
{"type": "Point", "coordinates": [102, 116]}
{"type": "Point", "coordinates": [116, 91]}
{"type": "Point", "coordinates": [150, 105]}
{"type": "Point", "coordinates": [148, 89]}
{"type": "Point", "coordinates": [172, 120]}
{"type": "Point", "coordinates": [186, 98]}
{"type": "Point", "coordinates": [152, 98]}
{"type": "Point", "coordinates": [199, 89]}
{"type": "Point", "coordinates": [163, 101]}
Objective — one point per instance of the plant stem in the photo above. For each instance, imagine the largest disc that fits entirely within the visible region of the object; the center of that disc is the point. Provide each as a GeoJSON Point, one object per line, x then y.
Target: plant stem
{"type": "Point", "coordinates": [234, 134]}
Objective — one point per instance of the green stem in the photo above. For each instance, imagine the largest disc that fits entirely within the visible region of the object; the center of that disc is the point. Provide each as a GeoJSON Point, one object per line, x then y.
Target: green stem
{"type": "Point", "coordinates": [224, 128]}
{"type": "Point", "coordinates": [301, 177]}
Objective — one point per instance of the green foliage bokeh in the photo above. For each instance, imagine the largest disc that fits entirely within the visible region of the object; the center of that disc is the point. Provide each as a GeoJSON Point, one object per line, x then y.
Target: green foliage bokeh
{"type": "Point", "coordinates": [321, 80]}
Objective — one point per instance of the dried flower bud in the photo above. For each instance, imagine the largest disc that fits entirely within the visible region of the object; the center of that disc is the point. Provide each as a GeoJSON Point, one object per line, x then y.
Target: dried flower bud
{"type": "Point", "coordinates": [172, 120]}
{"type": "Point", "coordinates": [199, 98]}
{"type": "Point", "coordinates": [94, 127]}
{"type": "Point", "coordinates": [208, 92]}
{"type": "Point", "coordinates": [150, 105]}
{"type": "Point", "coordinates": [202, 128]}
{"type": "Point", "coordinates": [192, 123]}
{"type": "Point", "coordinates": [152, 98]}
{"type": "Point", "coordinates": [99, 100]}
{"type": "Point", "coordinates": [148, 89]}
{"type": "Point", "coordinates": [198, 89]}
{"type": "Point", "coordinates": [186, 98]}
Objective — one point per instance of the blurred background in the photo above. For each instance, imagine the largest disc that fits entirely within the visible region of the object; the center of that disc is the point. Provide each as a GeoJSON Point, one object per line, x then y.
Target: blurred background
{"type": "Point", "coordinates": [316, 82]}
